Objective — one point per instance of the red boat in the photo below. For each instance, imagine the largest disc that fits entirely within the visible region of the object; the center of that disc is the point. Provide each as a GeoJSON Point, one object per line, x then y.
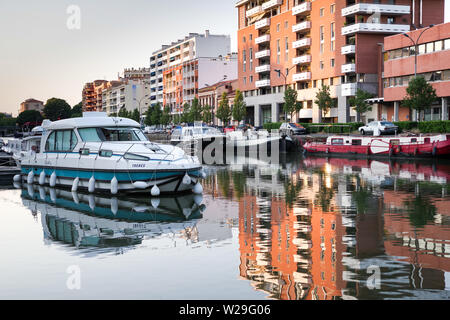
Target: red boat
{"type": "Point", "coordinates": [419, 146]}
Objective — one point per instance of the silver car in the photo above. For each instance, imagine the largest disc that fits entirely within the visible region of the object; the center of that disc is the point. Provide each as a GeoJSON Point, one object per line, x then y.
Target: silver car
{"type": "Point", "coordinates": [384, 127]}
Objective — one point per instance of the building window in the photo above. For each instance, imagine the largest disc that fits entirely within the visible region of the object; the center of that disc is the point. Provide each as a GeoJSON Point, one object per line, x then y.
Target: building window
{"type": "Point", "coordinates": [390, 20]}
{"type": "Point", "coordinates": [322, 11]}
{"type": "Point", "coordinates": [278, 51]}
{"type": "Point", "coordinates": [331, 81]}
{"type": "Point", "coordinates": [243, 39]}
{"type": "Point", "coordinates": [332, 8]}
{"type": "Point", "coordinates": [332, 63]}
{"type": "Point", "coordinates": [244, 58]}
{"type": "Point", "coordinates": [251, 37]}
{"type": "Point", "coordinates": [333, 33]}
{"type": "Point", "coordinates": [278, 27]}
{"type": "Point", "coordinates": [251, 59]}
{"type": "Point", "coordinates": [245, 80]}
{"type": "Point", "coordinates": [251, 79]}
{"type": "Point", "coordinates": [287, 49]}
{"type": "Point", "coordinates": [286, 24]}
{"type": "Point", "coordinates": [321, 65]}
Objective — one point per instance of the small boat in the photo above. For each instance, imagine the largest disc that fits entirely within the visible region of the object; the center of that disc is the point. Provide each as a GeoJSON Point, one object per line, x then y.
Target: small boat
{"type": "Point", "coordinates": [100, 153]}
{"type": "Point", "coordinates": [250, 139]}
{"type": "Point", "coordinates": [418, 146]}
{"type": "Point", "coordinates": [29, 145]}
{"type": "Point", "coordinates": [193, 134]}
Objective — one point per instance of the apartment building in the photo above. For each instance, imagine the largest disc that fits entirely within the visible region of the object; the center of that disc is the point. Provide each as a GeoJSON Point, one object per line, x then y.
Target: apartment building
{"type": "Point", "coordinates": [92, 95]}
{"type": "Point", "coordinates": [307, 44]}
{"type": "Point", "coordinates": [130, 95]}
{"type": "Point", "coordinates": [31, 104]}
{"type": "Point", "coordinates": [433, 63]}
{"type": "Point", "coordinates": [138, 74]}
{"type": "Point", "coordinates": [179, 70]}
{"type": "Point", "coordinates": [212, 95]}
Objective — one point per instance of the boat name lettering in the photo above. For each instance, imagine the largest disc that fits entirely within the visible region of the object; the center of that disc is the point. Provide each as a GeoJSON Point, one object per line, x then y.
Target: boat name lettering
{"type": "Point", "coordinates": [138, 165]}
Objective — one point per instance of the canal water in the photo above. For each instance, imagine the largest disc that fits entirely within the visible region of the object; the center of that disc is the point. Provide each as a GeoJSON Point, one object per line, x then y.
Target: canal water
{"type": "Point", "coordinates": [307, 228]}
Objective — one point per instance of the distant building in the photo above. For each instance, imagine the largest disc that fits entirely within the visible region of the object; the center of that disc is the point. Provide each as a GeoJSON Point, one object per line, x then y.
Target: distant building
{"type": "Point", "coordinates": [179, 70]}
{"type": "Point", "coordinates": [130, 95]}
{"type": "Point", "coordinates": [140, 74]}
{"type": "Point", "coordinates": [31, 104]}
{"type": "Point", "coordinates": [212, 95]}
{"type": "Point", "coordinates": [91, 95]}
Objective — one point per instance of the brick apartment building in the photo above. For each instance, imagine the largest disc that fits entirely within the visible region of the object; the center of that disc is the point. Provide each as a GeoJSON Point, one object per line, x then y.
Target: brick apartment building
{"type": "Point", "coordinates": [179, 70]}
{"type": "Point", "coordinates": [307, 44]}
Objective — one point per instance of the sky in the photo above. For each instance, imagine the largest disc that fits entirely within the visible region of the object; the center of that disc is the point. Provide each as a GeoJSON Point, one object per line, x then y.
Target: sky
{"type": "Point", "coordinates": [43, 53]}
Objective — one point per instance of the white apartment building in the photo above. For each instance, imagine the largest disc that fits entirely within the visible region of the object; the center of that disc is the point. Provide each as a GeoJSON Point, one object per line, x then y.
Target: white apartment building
{"type": "Point", "coordinates": [178, 70]}
{"type": "Point", "coordinates": [131, 95]}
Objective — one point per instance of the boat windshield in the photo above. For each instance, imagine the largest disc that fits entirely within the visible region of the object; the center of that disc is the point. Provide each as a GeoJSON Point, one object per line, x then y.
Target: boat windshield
{"type": "Point", "coordinates": [111, 134]}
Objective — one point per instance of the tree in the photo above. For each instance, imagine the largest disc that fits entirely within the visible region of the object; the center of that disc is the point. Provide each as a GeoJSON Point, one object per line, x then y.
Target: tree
{"type": "Point", "coordinates": [206, 114]}
{"type": "Point", "coordinates": [224, 112]}
{"type": "Point", "coordinates": [165, 116]}
{"type": "Point", "coordinates": [186, 115]}
{"type": "Point", "coordinates": [156, 114]}
{"type": "Point", "coordinates": [57, 109]}
{"type": "Point", "coordinates": [291, 105]}
{"type": "Point", "coordinates": [123, 113]}
{"type": "Point", "coordinates": [77, 111]}
{"type": "Point", "coordinates": [135, 115]}
{"type": "Point", "coordinates": [196, 111]}
{"type": "Point", "coordinates": [239, 107]}
{"type": "Point", "coordinates": [420, 95]}
{"type": "Point", "coordinates": [359, 103]}
{"type": "Point", "coordinates": [29, 116]}
{"type": "Point", "coordinates": [324, 100]}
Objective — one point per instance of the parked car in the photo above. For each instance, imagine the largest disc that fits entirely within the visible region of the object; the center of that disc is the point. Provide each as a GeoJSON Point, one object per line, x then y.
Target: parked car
{"type": "Point", "coordinates": [384, 127]}
{"type": "Point", "coordinates": [292, 129]}
{"type": "Point", "coordinates": [229, 129]}
{"type": "Point", "coordinates": [243, 127]}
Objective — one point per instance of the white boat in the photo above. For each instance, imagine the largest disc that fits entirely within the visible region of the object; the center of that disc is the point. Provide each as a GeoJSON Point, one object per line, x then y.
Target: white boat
{"type": "Point", "coordinates": [251, 138]}
{"type": "Point", "coordinates": [28, 146]}
{"type": "Point", "coordinates": [183, 135]}
{"type": "Point", "coordinates": [100, 153]}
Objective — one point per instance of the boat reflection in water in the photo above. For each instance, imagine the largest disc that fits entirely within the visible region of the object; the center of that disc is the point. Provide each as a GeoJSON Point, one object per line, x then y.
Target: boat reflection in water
{"type": "Point", "coordinates": [88, 221]}
{"type": "Point", "coordinates": [319, 228]}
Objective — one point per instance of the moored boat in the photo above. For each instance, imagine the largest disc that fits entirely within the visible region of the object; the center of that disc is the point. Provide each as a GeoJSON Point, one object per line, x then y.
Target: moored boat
{"type": "Point", "coordinates": [100, 153]}
{"type": "Point", "coordinates": [395, 146]}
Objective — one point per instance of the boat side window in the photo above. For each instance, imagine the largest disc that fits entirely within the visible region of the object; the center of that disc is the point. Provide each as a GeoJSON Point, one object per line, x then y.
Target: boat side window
{"type": "Point", "coordinates": [427, 140]}
{"type": "Point", "coordinates": [356, 142]}
{"type": "Point", "coordinates": [414, 140]}
{"type": "Point", "coordinates": [105, 153]}
{"type": "Point", "coordinates": [337, 142]}
{"type": "Point", "coordinates": [395, 142]}
{"type": "Point", "coordinates": [61, 140]}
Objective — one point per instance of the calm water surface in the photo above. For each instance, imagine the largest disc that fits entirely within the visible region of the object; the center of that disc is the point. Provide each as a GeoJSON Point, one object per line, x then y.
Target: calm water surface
{"type": "Point", "coordinates": [312, 228]}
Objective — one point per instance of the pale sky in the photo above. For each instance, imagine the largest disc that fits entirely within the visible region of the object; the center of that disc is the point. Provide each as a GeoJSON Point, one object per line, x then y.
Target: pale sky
{"type": "Point", "coordinates": [41, 58]}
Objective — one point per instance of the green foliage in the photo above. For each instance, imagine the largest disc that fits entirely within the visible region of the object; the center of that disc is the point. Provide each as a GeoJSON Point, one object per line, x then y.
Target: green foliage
{"type": "Point", "coordinates": [320, 127]}
{"type": "Point", "coordinates": [165, 116]}
{"type": "Point", "coordinates": [324, 100]}
{"type": "Point", "coordinates": [206, 114]}
{"type": "Point", "coordinates": [224, 112]}
{"type": "Point", "coordinates": [186, 115]}
{"type": "Point", "coordinates": [135, 115]}
{"type": "Point", "coordinates": [425, 126]}
{"type": "Point", "coordinates": [421, 211]}
{"type": "Point", "coordinates": [420, 95]}
{"type": "Point", "coordinates": [123, 113]}
{"type": "Point", "coordinates": [57, 109]}
{"type": "Point", "coordinates": [359, 104]}
{"type": "Point", "coordinates": [77, 111]}
{"type": "Point", "coordinates": [195, 111]}
{"type": "Point", "coordinates": [7, 122]}
{"type": "Point", "coordinates": [29, 116]}
{"type": "Point", "coordinates": [156, 114]}
{"type": "Point", "coordinates": [239, 107]}
{"type": "Point", "coordinates": [291, 104]}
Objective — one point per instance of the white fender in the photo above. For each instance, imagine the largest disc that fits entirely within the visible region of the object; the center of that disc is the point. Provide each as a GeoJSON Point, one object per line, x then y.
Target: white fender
{"type": "Point", "coordinates": [155, 191]}
{"type": "Point", "coordinates": [75, 197]}
{"type": "Point", "coordinates": [186, 179]}
{"type": "Point", "coordinates": [17, 178]}
{"type": "Point", "coordinates": [75, 184]}
{"type": "Point", "coordinates": [187, 212]}
{"type": "Point", "coordinates": [114, 185]}
{"type": "Point", "coordinates": [30, 190]}
{"type": "Point", "coordinates": [42, 178]}
{"type": "Point", "coordinates": [198, 199]}
{"type": "Point", "coordinates": [114, 205]}
{"type": "Point", "coordinates": [155, 202]}
{"type": "Point", "coordinates": [53, 179]}
{"type": "Point", "coordinates": [17, 185]}
{"type": "Point", "coordinates": [30, 178]}
{"type": "Point", "coordinates": [91, 188]}
{"type": "Point", "coordinates": [198, 189]}
{"type": "Point", "coordinates": [92, 202]}
{"type": "Point", "coordinates": [140, 185]}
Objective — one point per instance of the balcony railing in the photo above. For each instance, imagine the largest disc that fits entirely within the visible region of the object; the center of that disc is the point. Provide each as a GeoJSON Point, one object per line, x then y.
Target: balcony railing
{"type": "Point", "coordinates": [262, 83]}
{"type": "Point", "coordinates": [254, 11]}
{"type": "Point", "coordinates": [375, 28]}
{"type": "Point", "coordinates": [262, 54]}
{"type": "Point", "coordinates": [302, 59]}
{"type": "Point", "coordinates": [304, 76]}
{"type": "Point", "coordinates": [348, 49]}
{"type": "Point", "coordinates": [348, 68]}
{"type": "Point", "coordinates": [301, 43]}
{"type": "Point", "coordinates": [306, 25]}
{"type": "Point", "coordinates": [263, 68]}
{"type": "Point", "coordinates": [301, 8]}
{"type": "Point", "coordinates": [271, 4]}
{"type": "Point", "coordinates": [348, 89]}
{"type": "Point", "coordinates": [371, 8]}
{"type": "Point", "coordinates": [262, 39]}
{"type": "Point", "coordinates": [262, 23]}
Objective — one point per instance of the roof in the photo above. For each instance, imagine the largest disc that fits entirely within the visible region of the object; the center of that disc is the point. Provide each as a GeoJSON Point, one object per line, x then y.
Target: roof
{"type": "Point", "coordinates": [89, 122]}
{"type": "Point", "coordinates": [32, 100]}
{"type": "Point", "coordinates": [216, 85]}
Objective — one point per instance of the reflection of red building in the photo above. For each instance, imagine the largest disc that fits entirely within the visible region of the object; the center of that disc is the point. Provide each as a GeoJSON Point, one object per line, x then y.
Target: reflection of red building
{"type": "Point", "coordinates": [427, 246]}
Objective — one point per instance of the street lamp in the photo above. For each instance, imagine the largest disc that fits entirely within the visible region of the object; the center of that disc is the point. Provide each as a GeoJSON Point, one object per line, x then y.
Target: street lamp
{"type": "Point", "coordinates": [416, 46]}
{"type": "Point", "coordinates": [139, 102]}
{"type": "Point", "coordinates": [285, 82]}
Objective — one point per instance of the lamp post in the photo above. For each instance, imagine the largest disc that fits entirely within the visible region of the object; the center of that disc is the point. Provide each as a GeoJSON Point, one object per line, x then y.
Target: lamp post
{"type": "Point", "coordinates": [139, 102]}
{"type": "Point", "coordinates": [285, 82]}
{"type": "Point", "coordinates": [416, 46]}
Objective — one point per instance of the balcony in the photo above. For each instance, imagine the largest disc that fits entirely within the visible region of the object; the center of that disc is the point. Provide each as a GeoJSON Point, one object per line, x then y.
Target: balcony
{"type": "Point", "coordinates": [304, 76]}
{"type": "Point", "coordinates": [305, 42]}
{"type": "Point", "coordinates": [262, 23]}
{"type": "Point", "coordinates": [349, 89]}
{"type": "Point", "coordinates": [262, 39]}
{"type": "Point", "coordinates": [271, 4]}
{"type": "Point", "coordinates": [371, 8]}
{"type": "Point", "coordinates": [263, 68]}
{"type": "Point", "coordinates": [301, 8]}
{"type": "Point", "coordinates": [348, 68]}
{"type": "Point", "coordinates": [254, 11]}
{"type": "Point", "coordinates": [302, 59]}
{"type": "Point", "coordinates": [375, 28]}
{"type": "Point", "coordinates": [262, 54]}
{"type": "Point", "coordinates": [262, 83]}
{"type": "Point", "coordinates": [350, 49]}
{"type": "Point", "coordinates": [306, 25]}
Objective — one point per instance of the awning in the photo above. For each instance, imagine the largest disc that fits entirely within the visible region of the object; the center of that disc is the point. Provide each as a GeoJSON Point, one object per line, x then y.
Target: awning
{"type": "Point", "coordinates": [375, 100]}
